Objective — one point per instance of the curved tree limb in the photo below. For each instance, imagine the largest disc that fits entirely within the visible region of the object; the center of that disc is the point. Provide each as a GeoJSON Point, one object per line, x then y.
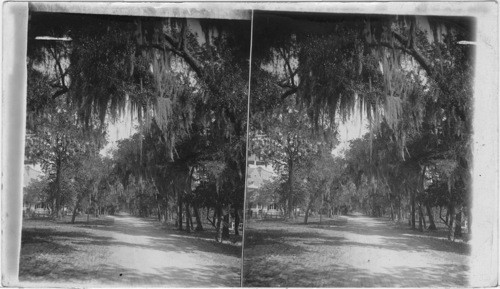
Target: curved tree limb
{"type": "Point", "coordinates": [61, 74]}
{"type": "Point", "coordinates": [289, 92]}
{"type": "Point", "coordinates": [409, 48]}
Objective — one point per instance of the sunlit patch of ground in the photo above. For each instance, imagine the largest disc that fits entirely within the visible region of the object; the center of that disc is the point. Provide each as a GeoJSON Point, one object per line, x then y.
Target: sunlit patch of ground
{"type": "Point", "coordinates": [354, 251]}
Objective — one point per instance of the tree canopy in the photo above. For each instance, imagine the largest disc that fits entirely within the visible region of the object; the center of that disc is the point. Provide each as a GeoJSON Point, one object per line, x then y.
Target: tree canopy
{"type": "Point", "coordinates": [184, 80]}
{"type": "Point", "coordinates": [411, 77]}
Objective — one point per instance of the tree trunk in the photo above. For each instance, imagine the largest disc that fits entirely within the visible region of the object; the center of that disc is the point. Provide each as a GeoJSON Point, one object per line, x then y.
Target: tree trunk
{"type": "Point", "coordinates": [290, 188]}
{"type": "Point", "coordinates": [400, 217]}
{"type": "Point", "coordinates": [306, 216]}
{"type": "Point", "coordinates": [236, 222]}
{"type": "Point", "coordinates": [469, 220]}
{"type": "Point", "coordinates": [57, 208]}
{"type": "Point", "coordinates": [412, 192]}
{"type": "Point", "coordinates": [451, 229]}
{"type": "Point", "coordinates": [432, 225]}
{"type": "Point", "coordinates": [421, 219]}
{"type": "Point", "coordinates": [179, 211]}
{"type": "Point", "coordinates": [188, 218]}
{"type": "Point", "coordinates": [420, 226]}
{"type": "Point", "coordinates": [309, 205]}
{"type": "Point", "coordinates": [218, 230]}
{"type": "Point", "coordinates": [158, 210]}
{"type": "Point", "coordinates": [225, 226]}
{"type": "Point", "coordinates": [191, 220]}
{"type": "Point", "coordinates": [392, 211]}
{"type": "Point", "coordinates": [199, 226]}
{"type": "Point", "coordinates": [166, 209]}
{"type": "Point", "coordinates": [225, 222]}
{"type": "Point", "coordinates": [458, 223]}
{"type": "Point", "coordinates": [75, 209]}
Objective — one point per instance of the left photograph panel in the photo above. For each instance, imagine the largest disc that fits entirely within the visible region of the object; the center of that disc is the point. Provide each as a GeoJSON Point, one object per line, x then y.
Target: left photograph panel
{"type": "Point", "coordinates": [135, 148]}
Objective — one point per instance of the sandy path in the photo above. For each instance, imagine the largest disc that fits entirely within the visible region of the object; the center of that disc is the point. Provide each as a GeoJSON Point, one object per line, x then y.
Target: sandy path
{"type": "Point", "coordinates": [357, 251]}
{"type": "Point", "coordinates": [144, 254]}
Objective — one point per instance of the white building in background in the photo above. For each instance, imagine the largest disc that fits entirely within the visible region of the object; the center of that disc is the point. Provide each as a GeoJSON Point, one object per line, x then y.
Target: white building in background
{"type": "Point", "coordinates": [31, 173]}
{"type": "Point", "coordinates": [258, 174]}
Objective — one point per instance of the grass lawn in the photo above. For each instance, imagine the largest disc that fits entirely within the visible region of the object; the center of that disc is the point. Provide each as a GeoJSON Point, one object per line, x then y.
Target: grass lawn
{"type": "Point", "coordinates": [60, 251]}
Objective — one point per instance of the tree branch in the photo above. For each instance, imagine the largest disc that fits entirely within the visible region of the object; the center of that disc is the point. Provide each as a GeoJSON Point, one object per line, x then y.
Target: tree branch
{"type": "Point", "coordinates": [289, 92]}
{"type": "Point", "coordinates": [62, 75]}
{"type": "Point", "coordinates": [191, 61]}
{"type": "Point", "coordinates": [291, 73]}
{"type": "Point", "coordinates": [155, 46]}
{"type": "Point", "coordinates": [422, 61]}
{"type": "Point", "coordinates": [410, 49]}
{"type": "Point", "coordinates": [60, 92]}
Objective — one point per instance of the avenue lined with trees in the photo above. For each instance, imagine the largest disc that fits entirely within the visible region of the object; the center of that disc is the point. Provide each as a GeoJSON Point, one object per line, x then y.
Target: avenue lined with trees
{"type": "Point", "coordinates": [182, 82]}
{"type": "Point", "coordinates": [410, 81]}
{"type": "Point", "coordinates": [184, 85]}
{"type": "Point", "coordinates": [186, 90]}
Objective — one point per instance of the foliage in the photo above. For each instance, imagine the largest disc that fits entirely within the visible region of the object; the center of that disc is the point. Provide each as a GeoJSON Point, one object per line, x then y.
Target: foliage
{"type": "Point", "coordinates": [36, 191]}
{"type": "Point", "coordinates": [409, 76]}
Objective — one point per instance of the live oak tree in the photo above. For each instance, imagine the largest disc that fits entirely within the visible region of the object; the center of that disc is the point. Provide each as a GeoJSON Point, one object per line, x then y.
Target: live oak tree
{"type": "Point", "coordinates": [284, 138]}
{"type": "Point", "coordinates": [55, 140]}
{"type": "Point", "coordinates": [320, 173]}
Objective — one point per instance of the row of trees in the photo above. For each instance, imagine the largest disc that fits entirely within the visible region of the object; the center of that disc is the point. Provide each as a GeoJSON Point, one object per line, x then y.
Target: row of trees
{"type": "Point", "coordinates": [185, 85]}
{"type": "Point", "coordinates": [410, 76]}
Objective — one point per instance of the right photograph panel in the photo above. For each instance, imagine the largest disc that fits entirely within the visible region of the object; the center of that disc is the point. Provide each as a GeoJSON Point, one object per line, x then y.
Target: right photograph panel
{"type": "Point", "coordinates": [359, 159]}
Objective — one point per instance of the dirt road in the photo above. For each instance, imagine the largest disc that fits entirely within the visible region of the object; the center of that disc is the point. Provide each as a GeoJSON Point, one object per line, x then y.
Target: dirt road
{"type": "Point", "coordinates": [354, 251]}
{"type": "Point", "coordinates": [144, 254]}
{"type": "Point", "coordinates": [138, 252]}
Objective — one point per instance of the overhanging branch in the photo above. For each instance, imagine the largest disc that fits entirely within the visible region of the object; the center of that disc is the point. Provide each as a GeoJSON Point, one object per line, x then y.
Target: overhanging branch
{"type": "Point", "coordinates": [60, 92]}
{"type": "Point", "coordinates": [180, 50]}
{"type": "Point", "coordinates": [289, 92]}
{"type": "Point", "coordinates": [410, 49]}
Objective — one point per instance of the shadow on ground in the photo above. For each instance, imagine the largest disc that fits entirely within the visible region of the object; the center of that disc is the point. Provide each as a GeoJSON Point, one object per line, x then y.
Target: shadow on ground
{"type": "Point", "coordinates": [395, 237]}
{"type": "Point", "coordinates": [62, 253]}
{"type": "Point", "coordinates": [330, 253]}
{"type": "Point", "coordinates": [164, 238]}
{"type": "Point", "coordinates": [115, 275]}
{"type": "Point", "coordinates": [279, 274]}
{"type": "Point", "coordinates": [161, 237]}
